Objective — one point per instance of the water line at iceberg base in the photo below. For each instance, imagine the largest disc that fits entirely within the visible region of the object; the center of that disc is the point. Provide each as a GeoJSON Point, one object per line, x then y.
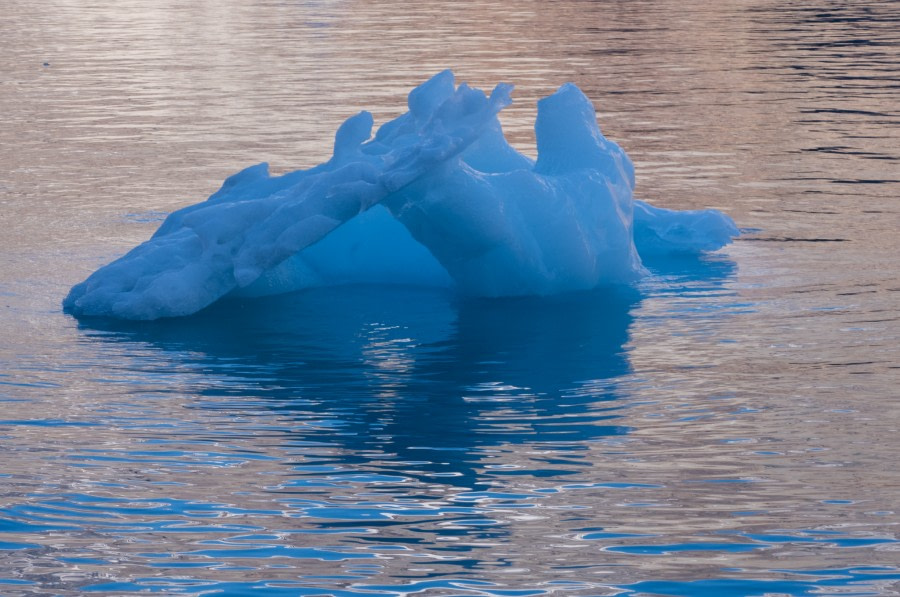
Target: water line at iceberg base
{"type": "Point", "coordinates": [438, 197]}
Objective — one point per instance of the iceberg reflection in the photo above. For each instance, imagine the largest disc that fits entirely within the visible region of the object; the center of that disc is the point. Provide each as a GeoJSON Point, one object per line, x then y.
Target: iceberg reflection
{"type": "Point", "coordinates": [405, 372]}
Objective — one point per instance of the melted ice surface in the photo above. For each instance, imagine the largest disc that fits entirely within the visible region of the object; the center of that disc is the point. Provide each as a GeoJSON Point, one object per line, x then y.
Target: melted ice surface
{"type": "Point", "coordinates": [437, 197]}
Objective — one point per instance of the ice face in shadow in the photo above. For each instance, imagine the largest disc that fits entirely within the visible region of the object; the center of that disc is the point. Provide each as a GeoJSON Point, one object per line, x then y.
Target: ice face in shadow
{"type": "Point", "coordinates": [437, 197]}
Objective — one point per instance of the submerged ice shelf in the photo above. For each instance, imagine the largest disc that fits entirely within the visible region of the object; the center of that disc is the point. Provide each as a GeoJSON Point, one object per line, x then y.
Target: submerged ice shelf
{"type": "Point", "coordinates": [437, 197]}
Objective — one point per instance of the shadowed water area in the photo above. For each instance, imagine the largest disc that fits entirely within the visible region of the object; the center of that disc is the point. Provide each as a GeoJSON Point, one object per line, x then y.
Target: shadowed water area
{"type": "Point", "coordinates": [729, 427]}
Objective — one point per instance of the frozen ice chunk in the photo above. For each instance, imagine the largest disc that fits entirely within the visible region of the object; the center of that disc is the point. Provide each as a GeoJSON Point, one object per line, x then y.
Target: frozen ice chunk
{"type": "Point", "coordinates": [437, 197]}
{"type": "Point", "coordinates": [512, 227]}
{"type": "Point", "coordinates": [255, 222]}
{"type": "Point", "coordinates": [659, 231]}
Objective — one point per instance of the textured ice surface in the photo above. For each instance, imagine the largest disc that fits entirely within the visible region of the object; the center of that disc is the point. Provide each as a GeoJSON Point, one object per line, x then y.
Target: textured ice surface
{"type": "Point", "coordinates": [437, 197]}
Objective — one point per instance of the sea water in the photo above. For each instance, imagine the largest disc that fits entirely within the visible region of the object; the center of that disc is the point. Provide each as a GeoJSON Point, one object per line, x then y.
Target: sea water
{"type": "Point", "coordinates": [727, 427]}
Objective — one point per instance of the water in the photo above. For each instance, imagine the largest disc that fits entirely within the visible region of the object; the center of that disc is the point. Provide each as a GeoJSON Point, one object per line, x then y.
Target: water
{"type": "Point", "coordinates": [729, 429]}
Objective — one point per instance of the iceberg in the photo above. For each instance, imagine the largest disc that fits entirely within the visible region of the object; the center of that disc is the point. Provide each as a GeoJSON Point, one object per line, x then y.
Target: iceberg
{"type": "Point", "coordinates": [437, 197]}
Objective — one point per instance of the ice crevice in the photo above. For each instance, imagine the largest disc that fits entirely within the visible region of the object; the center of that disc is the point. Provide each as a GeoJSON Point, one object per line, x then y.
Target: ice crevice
{"type": "Point", "coordinates": [436, 197]}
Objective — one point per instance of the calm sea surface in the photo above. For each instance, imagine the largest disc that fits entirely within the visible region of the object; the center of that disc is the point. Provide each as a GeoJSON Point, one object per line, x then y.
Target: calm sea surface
{"type": "Point", "coordinates": [731, 428]}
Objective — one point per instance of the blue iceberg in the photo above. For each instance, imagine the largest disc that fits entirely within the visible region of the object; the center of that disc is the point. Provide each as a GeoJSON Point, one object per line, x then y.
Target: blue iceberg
{"type": "Point", "coordinates": [437, 197]}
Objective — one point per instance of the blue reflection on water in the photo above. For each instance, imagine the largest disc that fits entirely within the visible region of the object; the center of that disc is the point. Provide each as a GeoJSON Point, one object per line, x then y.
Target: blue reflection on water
{"type": "Point", "coordinates": [408, 372]}
{"type": "Point", "coordinates": [849, 581]}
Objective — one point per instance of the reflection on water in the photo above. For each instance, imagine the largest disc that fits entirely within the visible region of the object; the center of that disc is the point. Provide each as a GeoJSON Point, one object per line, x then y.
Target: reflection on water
{"type": "Point", "coordinates": [723, 431]}
{"type": "Point", "coordinates": [412, 373]}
